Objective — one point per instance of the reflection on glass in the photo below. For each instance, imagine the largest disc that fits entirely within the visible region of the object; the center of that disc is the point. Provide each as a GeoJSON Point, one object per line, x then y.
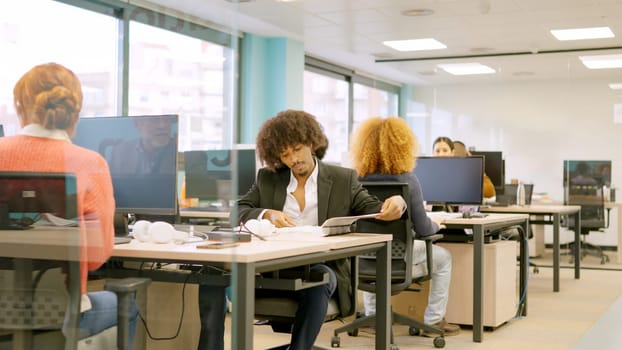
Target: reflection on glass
{"type": "Point", "coordinates": [175, 73]}
{"type": "Point", "coordinates": [87, 43]}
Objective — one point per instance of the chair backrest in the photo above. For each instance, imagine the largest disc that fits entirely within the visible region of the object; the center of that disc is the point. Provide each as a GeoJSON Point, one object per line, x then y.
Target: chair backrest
{"type": "Point", "coordinates": [508, 197]}
{"type": "Point", "coordinates": [401, 246]}
{"type": "Point", "coordinates": [592, 201]}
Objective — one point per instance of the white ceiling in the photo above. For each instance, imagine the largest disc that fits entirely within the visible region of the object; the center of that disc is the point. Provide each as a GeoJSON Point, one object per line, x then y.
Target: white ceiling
{"type": "Point", "coordinates": [350, 32]}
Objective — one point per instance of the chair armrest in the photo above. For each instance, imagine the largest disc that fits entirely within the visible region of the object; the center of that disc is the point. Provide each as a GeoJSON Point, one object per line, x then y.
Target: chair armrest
{"type": "Point", "coordinates": [125, 289]}
{"type": "Point", "coordinates": [432, 238]}
{"type": "Point", "coordinates": [126, 285]}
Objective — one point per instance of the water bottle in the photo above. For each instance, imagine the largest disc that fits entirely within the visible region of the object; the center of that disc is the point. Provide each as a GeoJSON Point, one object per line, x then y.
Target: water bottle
{"type": "Point", "coordinates": [520, 194]}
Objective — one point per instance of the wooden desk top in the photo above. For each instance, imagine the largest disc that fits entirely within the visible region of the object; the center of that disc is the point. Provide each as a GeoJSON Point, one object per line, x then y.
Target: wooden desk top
{"type": "Point", "coordinates": [491, 218]}
{"type": "Point", "coordinates": [533, 209]}
{"type": "Point", "coordinates": [254, 251]}
{"type": "Point", "coordinates": [42, 242]}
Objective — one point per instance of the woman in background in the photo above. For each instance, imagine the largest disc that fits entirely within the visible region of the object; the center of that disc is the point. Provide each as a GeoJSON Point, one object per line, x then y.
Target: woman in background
{"type": "Point", "coordinates": [385, 150]}
{"type": "Point", "coordinates": [48, 99]}
{"type": "Point", "coordinates": [443, 146]}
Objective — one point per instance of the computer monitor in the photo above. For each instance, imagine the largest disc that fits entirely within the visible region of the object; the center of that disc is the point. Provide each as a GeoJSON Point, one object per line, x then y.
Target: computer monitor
{"type": "Point", "coordinates": [587, 173]}
{"type": "Point", "coordinates": [209, 173]}
{"type": "Point", "coordinates": [25, 193]}
{"type": "Point", "coordinates": [451, 180]}
{"type": "Point", "coordinates": [494, 167]}
{"type": "Point", "coordinates": [141, 152]}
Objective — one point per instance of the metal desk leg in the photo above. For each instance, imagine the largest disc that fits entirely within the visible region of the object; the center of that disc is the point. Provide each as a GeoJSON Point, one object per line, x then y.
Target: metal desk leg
{"type": "Point", "coordinates": [577, 249]}
{"type": "Point", "coordinates": [383, 316]}
{"type": "Point", "coordinates": [243, 306]}
{"type": "Point", "coordinates": [524, 268]}
{"type": "Point", "coordinates": [478, 282]}
{"type": "Point", "coordinates": [22, 339]}
{"type": "Point", "coordinates": [556, 224]}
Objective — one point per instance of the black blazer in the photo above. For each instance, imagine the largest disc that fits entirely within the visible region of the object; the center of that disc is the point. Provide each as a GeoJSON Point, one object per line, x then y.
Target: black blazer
{"type": "Point", "coordinates": [339, 194]}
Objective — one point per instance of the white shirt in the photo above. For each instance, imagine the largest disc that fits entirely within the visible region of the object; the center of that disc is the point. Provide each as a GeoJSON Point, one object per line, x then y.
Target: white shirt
{"type": "Point", "coordinates": [37, 130]}
{"type": "Point", "coordinates": [308, 216]}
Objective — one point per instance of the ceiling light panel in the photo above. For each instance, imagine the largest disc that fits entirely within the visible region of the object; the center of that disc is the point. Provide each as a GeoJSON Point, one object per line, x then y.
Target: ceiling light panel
{"type": "Point", "coordinates": [582, 33]}
{"type": "Point", "coordinates": [466, 68]}
{"type": "Point", "coordinates": [415, 44]}
{"type": "Point", "coordinates": [602, 61]}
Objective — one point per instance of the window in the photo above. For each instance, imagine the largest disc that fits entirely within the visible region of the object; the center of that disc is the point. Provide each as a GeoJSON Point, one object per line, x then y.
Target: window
{"type": "Point", "coordinates": [172, 73]}
{"type": "Point", "coordinates": [86, 44]}
{"type": "Point", "coordinates": [341, 99]}
{"type": "Point", "coordinates": [327, 98]}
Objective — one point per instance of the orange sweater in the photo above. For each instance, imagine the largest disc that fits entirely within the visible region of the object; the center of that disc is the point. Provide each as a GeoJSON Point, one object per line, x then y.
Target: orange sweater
{"type": "Point", "coordinates": [95, 195]}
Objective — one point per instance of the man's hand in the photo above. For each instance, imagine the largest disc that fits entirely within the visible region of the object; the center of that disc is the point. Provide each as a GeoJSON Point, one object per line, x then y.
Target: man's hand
{"type": "Point", "coordinates": [278, 218]}
{"type": "Point", "coordinates": [392, 208]}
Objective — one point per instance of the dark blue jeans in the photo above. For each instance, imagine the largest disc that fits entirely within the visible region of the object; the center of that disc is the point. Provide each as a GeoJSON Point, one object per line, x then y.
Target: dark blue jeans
{"type": "Point", "coordinates": [312, 305]}
{"type": "Point", "coordinates": [103, 315]}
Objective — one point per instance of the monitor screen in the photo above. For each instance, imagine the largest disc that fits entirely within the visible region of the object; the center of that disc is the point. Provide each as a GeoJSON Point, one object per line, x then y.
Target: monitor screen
{"type": "Point", "coordinates": [494, 167]}
{"type": "Point", "coordinates": [451, 180]}
{"type": "Point", "coordinates": [587, 173]}
{"type": "Point", "coordinates": [23, 193]}
{"type": "Point", "coordinates": [209, 173]}
{"type": "Point", "coordinates": [141, 152]}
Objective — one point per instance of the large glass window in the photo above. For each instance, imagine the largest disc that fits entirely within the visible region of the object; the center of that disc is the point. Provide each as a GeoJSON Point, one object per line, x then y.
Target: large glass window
{"type": "Point", "coordinates": [178, 74]}
{"type": "Point", "coordinates": [341, 99]}
{"type": "Point", "coordinates": [373, 102]}
{"type": "Point", "coordinates": [31, 33]}
{"type": "Point", "coordinates": [327, 98]}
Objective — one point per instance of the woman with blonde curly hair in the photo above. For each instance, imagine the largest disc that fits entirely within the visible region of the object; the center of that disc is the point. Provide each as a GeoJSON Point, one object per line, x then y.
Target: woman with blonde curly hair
{"type": "Point", "coordinates": [386, 150]}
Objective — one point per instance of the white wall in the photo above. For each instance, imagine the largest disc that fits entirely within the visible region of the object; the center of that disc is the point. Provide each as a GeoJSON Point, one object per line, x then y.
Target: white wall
{"type": "Point", "coordinates": [537, 125]}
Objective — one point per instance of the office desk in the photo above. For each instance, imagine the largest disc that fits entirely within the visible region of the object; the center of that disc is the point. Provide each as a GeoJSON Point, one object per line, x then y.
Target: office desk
{"type": "Point", "coordinates": [482, 227]}
{"type": "Point", "coordinates": [44, 243]}
{"type": "Point", "coordinates": [554, 212]}
{"type": "Point", "coordinates": [618, 207]}
{"type": "Point", "coordinates": [284, 251]}
{"type": "Point", "coordinates": [200, 214]}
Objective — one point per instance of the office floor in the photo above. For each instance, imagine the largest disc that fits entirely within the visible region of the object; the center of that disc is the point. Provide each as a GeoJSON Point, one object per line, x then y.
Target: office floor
{"type": "Point", "coordinates": [586, 314]}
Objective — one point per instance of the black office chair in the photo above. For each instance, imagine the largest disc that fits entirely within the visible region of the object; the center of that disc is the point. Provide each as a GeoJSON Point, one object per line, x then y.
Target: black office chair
{"type": "Point", "coordinates": [279, 311]}
{"type": "Point", "coordinates": [594, 217]}
{"type": "Point", "coordinates": [401, 265]}
{"type": "Point", "coordinates": [41, 310]}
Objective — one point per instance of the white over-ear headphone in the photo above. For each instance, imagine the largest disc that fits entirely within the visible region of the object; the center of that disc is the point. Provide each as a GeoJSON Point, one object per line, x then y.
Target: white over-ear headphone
{"type": "Point", "coordinates": [260, 227]}
{"type": "Point", "coordinates": [157, 232]}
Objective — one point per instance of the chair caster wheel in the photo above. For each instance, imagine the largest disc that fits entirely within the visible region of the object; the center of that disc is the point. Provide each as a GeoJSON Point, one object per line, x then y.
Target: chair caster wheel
{"type": "Point", "coordinates": [536, 270]}
{"type": "Point", "coordinates": [354, 333]}
{"type": "Point", "coordinates": [439, 342]}
{"type": "Point", "coordinates": [335, 342]}
{"type": "Point", "coordinates": [394, 347]}
{"type": "Point", "coordinates": [412, 331]}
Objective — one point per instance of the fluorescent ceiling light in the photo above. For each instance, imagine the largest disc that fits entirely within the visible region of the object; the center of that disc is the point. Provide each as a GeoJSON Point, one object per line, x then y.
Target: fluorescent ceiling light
{"type": "Point", "coordinates": [415, 44]}
{"type": "Point", "coordinates": [615, 86]}
{"type": "Point", "coordinates": [582, 33]}
{"type": "Point", "coordinates": [602, 61]}
{"type": "Point", "coordinates": [466, 68]}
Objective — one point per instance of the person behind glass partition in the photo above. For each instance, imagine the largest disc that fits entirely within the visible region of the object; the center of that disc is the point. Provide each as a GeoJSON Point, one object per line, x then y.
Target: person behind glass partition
{"type": "Point", "coordinates": [48, 99]}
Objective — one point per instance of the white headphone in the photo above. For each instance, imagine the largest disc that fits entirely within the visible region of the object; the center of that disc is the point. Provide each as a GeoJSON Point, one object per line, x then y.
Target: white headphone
{"type": "Point", "coordinates": [157, 232]}
{"type": "Point", "coordinates": [260, 227]}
